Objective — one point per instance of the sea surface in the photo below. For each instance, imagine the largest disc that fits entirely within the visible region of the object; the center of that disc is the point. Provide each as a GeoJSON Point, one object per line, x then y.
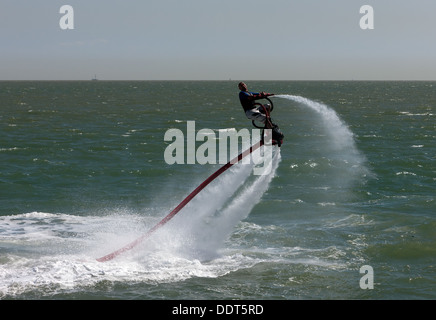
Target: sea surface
{"type": "Point", "coordinates": [348, 210]}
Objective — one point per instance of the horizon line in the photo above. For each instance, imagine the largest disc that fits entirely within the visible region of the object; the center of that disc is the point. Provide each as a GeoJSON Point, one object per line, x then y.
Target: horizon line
{"type": "Point", "coordinates": [221, 80]}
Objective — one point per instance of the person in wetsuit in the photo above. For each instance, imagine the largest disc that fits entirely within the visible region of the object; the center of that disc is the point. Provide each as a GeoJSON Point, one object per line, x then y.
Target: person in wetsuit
{"type": "Point", "coordinates": [247, 99]}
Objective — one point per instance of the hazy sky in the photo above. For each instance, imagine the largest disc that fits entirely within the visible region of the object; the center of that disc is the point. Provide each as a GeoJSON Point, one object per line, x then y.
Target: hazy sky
{"type": "Point", "coordinates": [218, 40]}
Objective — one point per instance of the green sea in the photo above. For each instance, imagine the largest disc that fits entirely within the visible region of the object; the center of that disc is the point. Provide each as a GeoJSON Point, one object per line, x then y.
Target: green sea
{"type": "Point", "coordinates": [83, 173]}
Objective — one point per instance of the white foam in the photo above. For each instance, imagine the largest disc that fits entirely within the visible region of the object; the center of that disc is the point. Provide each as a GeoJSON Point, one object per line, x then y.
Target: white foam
{"type": "Point", "coordinates": [340, 145]}
{"type": "Point", "coordinates": [342, 137]}
{"type": "Point", "coordinates": [50, 253]}
{"type": "Point", "coordinates": [209, 227]}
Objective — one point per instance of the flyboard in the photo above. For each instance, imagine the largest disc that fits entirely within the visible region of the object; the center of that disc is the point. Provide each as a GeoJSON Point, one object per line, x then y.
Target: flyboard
{"type": "Point", "coordinates": [277, 139]}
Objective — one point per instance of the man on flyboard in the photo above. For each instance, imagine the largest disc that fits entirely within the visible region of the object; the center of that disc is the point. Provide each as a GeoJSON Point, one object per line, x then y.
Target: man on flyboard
{"type": "Point", "coordinates": [252, 111]}
{"type": "Point", "coordinates": [256, 111]}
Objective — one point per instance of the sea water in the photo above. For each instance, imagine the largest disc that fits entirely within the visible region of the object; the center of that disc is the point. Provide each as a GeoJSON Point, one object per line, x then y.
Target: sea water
{"type": "Point", "coordinates": [82, 173]}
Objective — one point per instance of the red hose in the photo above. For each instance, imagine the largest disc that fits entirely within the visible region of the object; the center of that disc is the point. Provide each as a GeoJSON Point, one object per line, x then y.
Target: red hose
{"type": "Point", "coordinates": [182, 204]}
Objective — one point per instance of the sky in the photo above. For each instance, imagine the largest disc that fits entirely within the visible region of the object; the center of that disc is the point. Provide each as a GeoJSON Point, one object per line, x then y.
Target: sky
{"type": "Point", "coordinates": [218, 40]}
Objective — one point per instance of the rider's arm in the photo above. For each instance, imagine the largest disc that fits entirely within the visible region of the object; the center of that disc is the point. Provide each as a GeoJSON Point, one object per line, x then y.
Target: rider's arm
{"type": "Point", "coordinates": [250, 96]}
{"type": "Point", "coordinates": [256, 96]}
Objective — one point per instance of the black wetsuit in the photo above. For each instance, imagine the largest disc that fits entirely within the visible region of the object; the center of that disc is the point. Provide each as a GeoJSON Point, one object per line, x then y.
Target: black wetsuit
{"type": "Point", "coordinates": [247, 99]}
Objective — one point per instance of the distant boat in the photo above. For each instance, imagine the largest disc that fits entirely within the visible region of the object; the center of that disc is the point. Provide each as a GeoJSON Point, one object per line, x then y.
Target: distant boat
{"type": "Point", "coordinates": [95, 78]}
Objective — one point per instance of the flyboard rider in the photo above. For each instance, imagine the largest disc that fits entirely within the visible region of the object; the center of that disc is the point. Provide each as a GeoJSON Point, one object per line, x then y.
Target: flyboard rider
{"type": "Point", "coordinates": [256, 111]}
{"type": "Point", "coordinates": [252, 111]}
